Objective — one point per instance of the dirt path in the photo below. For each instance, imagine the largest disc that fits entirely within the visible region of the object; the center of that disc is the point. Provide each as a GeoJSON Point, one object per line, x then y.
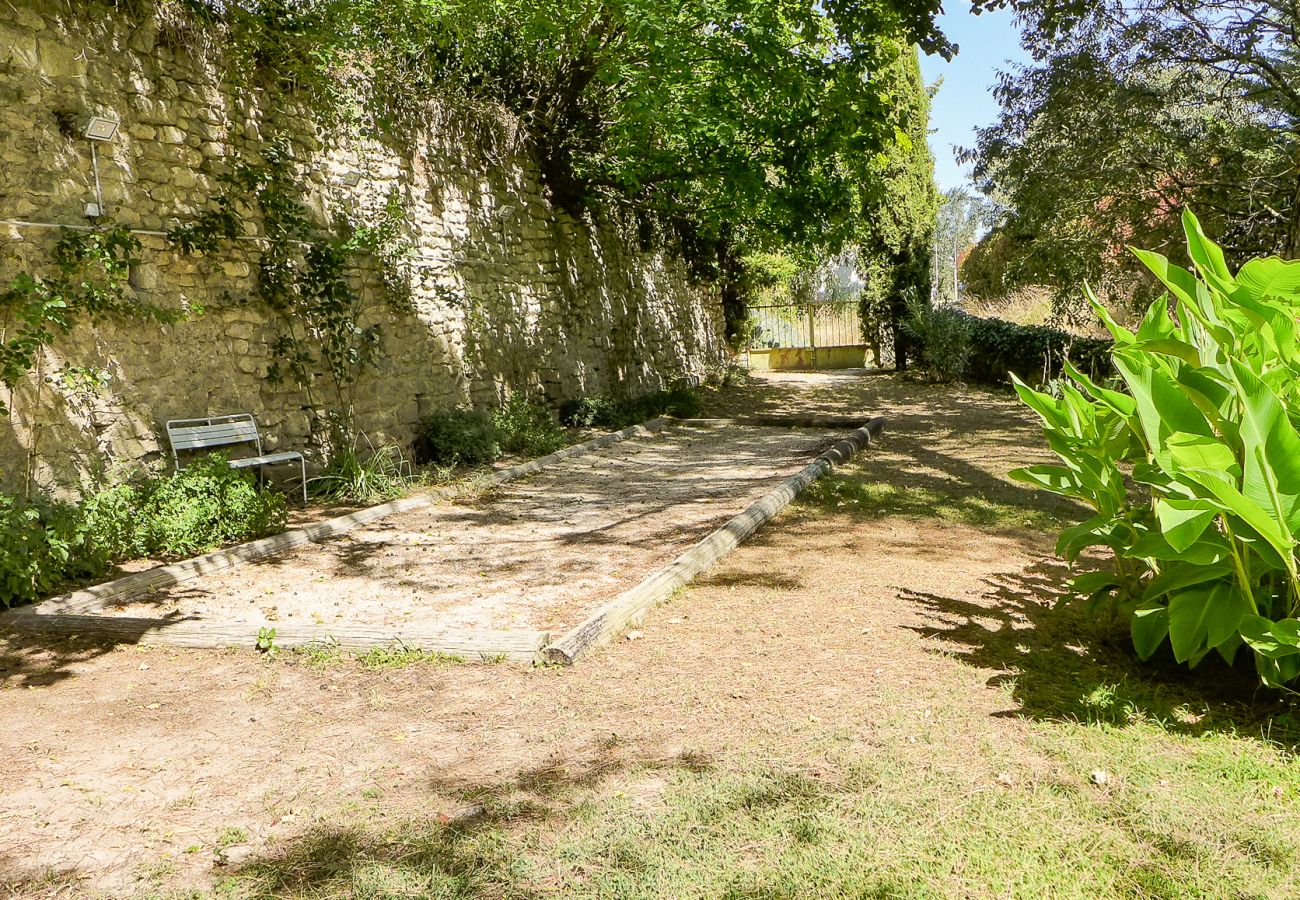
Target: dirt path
{"type": "Point", "coordinates": [893, 635]}
{"type": "Point", "coordinates": [539, 554]}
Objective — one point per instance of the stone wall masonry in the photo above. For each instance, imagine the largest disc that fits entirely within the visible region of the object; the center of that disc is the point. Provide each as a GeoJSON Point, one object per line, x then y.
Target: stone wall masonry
{"type": "Point", "coordinates": [510, 292]}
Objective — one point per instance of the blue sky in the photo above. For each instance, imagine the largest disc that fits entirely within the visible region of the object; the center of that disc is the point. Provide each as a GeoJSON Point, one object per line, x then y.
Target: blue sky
{"type": "Point", "coordinates": [965, 100]}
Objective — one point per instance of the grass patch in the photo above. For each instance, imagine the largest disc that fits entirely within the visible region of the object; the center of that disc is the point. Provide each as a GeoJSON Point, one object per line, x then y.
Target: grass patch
{"type": "Point", "coordinates": [841, 493]}
{"type": "Point", "coordinates": [376, 659]}
{"type": "Point", "coordinates": [1118, 781]}
{"type": "Point", "coordinates": [1214, 818]}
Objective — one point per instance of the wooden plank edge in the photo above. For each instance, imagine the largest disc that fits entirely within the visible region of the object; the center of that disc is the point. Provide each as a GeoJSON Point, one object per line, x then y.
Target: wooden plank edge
{"type": "Point", "coordinates": [631, 604]}
{"type": "Point", "coordinates": [470, 643]}
{"type": "Point", "coordinates": [88, 600]}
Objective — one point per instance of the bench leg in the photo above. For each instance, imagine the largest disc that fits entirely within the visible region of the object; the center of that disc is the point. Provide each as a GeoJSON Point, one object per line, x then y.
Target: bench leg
{"type": "Point", "coordinates": [303, 462]}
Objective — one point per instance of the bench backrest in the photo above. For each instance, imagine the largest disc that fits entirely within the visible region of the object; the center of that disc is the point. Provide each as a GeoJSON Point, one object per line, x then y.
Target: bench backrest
{"type": "Point", "coordinates": [212, 431]}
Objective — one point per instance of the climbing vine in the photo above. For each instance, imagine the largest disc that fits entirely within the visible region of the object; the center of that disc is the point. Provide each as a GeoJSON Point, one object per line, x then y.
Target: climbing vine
{"type": "Point", "coordinates": [87, 281]}
{"type": "Point", "coordinates": [304, 274]}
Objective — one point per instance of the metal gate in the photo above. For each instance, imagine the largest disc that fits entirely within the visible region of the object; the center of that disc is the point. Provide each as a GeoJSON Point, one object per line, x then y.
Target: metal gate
{"type": "Point", "coordinates": [806, 336]}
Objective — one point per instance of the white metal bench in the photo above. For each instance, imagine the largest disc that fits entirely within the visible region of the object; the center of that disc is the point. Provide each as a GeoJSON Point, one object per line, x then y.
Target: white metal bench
{"type": "Point", "coordinates": [223, 431]}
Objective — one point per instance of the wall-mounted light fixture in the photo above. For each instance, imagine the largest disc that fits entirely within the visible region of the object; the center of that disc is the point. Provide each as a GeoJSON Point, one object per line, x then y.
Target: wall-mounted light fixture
{"type": "Point", "coordinates": [350, 179]}
{"type": "Point", "coordinates": [101, 128]}
{"type": "Point", "coordinates": [98, 129]}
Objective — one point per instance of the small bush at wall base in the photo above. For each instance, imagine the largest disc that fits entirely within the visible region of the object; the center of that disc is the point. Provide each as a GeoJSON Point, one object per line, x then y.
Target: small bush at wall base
{"type": "Point", "coordinates": [527, 427]}
{"type": "Point", "coordinates": [45, 544]}
{"type": "Point", "coordinates": [207, 504]}
{"type": "Point", "coordinates": [382, 474]}
{"type": "Point", "coordinates": [40, 547]}
{"type": "Point", "coordinates": [456, 437]}
{"type": "Point", "coordinates": [606, 411]}
{"type": "Point", "coordinates": [728, 375]}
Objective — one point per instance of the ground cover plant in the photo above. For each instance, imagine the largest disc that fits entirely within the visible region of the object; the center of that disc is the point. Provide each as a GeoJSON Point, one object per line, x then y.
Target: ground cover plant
{"type": "Point", "coordinates": [468, 437]}
{"type": "Point", "coordinates": [48, 544]}
{"type": "Point", "coordinates": [619, 411]}
{"type": "Point", "coordinates": [1194, 469]}
{"type": "Point", "coordinates": [351, 475]}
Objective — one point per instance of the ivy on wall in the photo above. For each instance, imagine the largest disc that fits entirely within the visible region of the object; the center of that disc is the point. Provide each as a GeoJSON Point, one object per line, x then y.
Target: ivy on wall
{"type": "Point", "coordinates": [86, 281]}
{"type": "Point", "coordinates": [306, 274]}
{"type": "Point", "coordinates": [726, 126]}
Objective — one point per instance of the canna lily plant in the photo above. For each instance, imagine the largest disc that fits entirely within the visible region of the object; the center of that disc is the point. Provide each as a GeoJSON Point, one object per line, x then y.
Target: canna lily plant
{"type": "Point", "coordinates": [1193, 470]}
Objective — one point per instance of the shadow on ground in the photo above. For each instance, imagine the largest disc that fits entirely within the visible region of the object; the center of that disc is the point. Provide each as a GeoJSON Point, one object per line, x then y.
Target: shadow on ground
{"type": "Point", "coordinates": [1061, 665]}
{"type": "Point", "coordinates": [462, 854]}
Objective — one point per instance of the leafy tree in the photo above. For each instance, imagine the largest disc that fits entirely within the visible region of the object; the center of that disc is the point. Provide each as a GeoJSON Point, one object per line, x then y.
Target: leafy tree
{"type": "Point", "coordinates": [961, 216]}
{"type": "Point", "coordinates": [729, 126]}
{"type": "Point", "coordinates": [898, 215]}
{"type": "Point", "coordinates": [1131, 112]}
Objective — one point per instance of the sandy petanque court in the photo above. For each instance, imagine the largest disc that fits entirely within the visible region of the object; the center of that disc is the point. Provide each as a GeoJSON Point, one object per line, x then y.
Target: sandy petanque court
{"type": "Point", "coordinates": [540, 553]}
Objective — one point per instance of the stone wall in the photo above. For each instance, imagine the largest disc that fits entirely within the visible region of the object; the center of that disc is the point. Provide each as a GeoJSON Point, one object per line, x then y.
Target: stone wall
{"type": "Point", "coordinates": [510, 292]}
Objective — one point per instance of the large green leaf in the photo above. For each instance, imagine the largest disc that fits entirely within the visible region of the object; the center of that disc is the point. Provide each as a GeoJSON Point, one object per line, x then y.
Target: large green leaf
{"type": "Point", "coordinates": [1212, 548]}
{"type": "Point", "coordinates": [1271, 444]}
{"type": "Point", "coordinates": [1162, 407]}
{"type": "Point", "coordinates": [1206, 254]}
{"type": "Point", "coordinates": [1179, 576]}
{"type": "Point", "coordinates": [1150, 627]}
{"type": "Point", "coordinates": [1049, 409]}
{"type": "Point", "coordinates": [1271, 279]}
{"type": "Point", "coordinates": [1089, 584]}
{"type": "Point", "coordinates": [1183, 521]}
{"type": "Point", "coordinates": [1211, 486]}
{"type": "Point", "coordinates": [1208, 389]}
{"type": "Point", "coordinates": [1196, 452]}
{"type": "Point", "coordinates": [1157, 323]}
{"type": "Point", "coordinates": [1120, 402]}
{"type": "Point", "coordinates": [1202, 617]}
{"type": "Point", "coordinates": [1100, 530]}
{"type": "Point", "coordinates": [1266, 639]}
{"type": "Point", "coordinates": [1121, 334]}
{"type": "Point", "coordinates": [1057, 479]}
{"type": "Point", "coordinates": [1180, 350]}
{"type": "Point", "coordinates": [1181, 283]}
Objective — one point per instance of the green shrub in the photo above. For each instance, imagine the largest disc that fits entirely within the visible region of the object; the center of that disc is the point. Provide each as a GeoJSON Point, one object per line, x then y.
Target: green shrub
{"type": "Point", "coordinates": [45, 544]}
{"type": "Point", "coordinates": [990, 351]}
{"type": "Point", "coordinates": [457, 437]}
{"type": "Point", "coordinates": [112, 519]}
{"type": "Point", "coordinates": [382, 474]}
{"type": "Point", "coordinates": [680, 400]}
{"type": "Point", "coordinates": [597, 410]}
{"type": "Point", "coordinates": [527, 427]}
{"type": "Point", "coordinates": [726, 376]}
{"type": "Point", "coordinates": [606, 411]}
{"type": "Point", "coordinates": [39, 543]}
{"type": "Point", "coordinates": [1193, 471]}
{"type": "Point", "coordinates": [205, 505]}
{"type": "Point", "coordinates": [943, 337]}
{"type": "Point", "coordinates": [1033, 353]}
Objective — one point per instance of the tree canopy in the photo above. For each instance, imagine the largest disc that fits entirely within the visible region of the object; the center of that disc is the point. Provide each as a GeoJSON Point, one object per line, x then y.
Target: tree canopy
{"type": "Point", "coordinates": [1130, 112]}
{"type": "Point", "coordinates": [754, 123]}
{"type": "Point", "coordinates": [899, 215]}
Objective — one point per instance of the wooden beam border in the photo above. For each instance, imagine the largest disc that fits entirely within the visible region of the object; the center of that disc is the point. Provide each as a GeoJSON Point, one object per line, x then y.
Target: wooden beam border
{"type": "Point", "coordinates": [470, 644]}
{"type": "Point", "coordinates": [632, 604]}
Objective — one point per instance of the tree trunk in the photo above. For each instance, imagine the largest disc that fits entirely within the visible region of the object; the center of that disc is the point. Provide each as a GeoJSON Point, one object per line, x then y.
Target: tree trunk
{"type": "Point", "coordinates": [1292, 249]}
